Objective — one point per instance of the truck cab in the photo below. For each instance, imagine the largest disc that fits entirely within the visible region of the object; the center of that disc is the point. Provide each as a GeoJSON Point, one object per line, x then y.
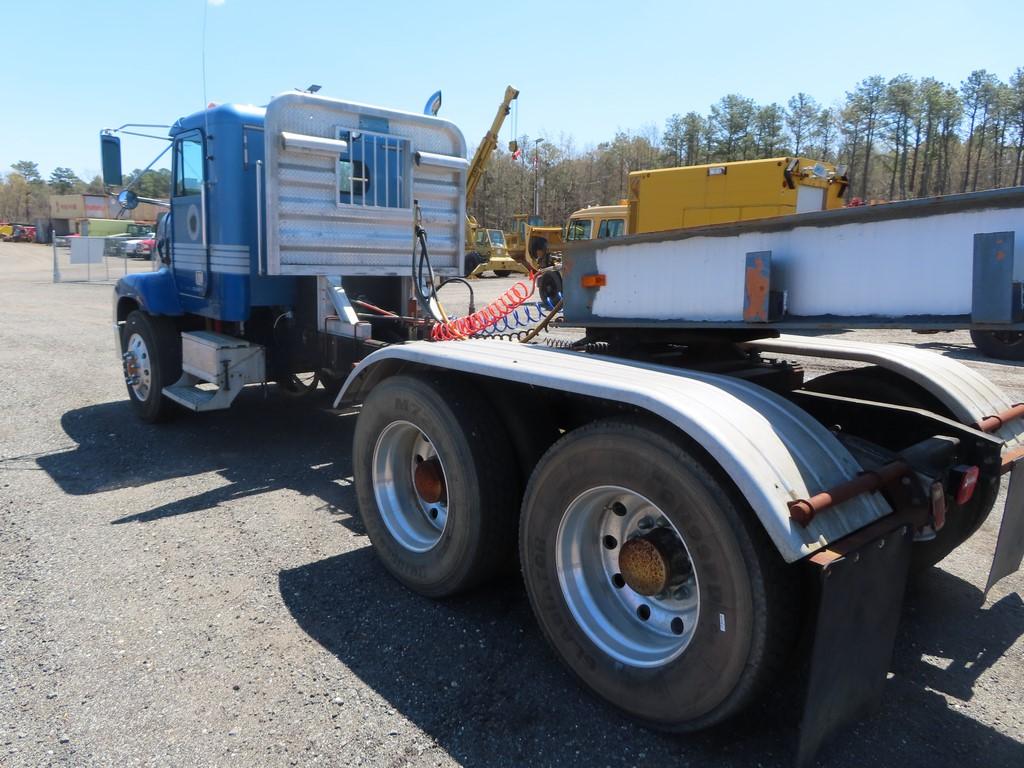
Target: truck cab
{"type": "Point", "coordinates": [597, 222]}
{"type": "Point", "coordinates": [267, 238]}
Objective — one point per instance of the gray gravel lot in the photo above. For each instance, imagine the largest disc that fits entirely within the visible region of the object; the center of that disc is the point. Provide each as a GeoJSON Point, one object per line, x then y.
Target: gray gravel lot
{"type": "Point", "coordinates": [202, 593]}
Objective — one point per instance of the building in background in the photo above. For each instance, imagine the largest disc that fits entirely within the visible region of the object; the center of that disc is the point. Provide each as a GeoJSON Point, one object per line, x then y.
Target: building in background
{"type": "Point", "coordinates": [70, 214]}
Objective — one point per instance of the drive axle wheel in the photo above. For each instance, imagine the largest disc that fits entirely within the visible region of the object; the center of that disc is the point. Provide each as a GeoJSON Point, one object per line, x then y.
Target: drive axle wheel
{"type": "Point", "coordinates": [439, 512]}
{"type": "Point", "coordinates": [410, 486]}
{"type": "Point", "coordinates": [649, 614]}
{"type": "Point", "coordinates": [650, 578]}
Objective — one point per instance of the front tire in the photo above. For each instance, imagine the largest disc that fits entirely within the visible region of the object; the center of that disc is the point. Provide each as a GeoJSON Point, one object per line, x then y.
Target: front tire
{"type": "Point", "coordinates": [439, 509]}
{"type": "Point", "coordinates": [151, 347]}
{"type": "Point", "coordinates": [650, 578]}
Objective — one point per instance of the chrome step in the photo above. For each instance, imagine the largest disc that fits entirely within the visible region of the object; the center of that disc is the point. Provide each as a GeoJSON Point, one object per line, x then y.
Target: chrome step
{"type": "Point", "coordinates": [215, 358]}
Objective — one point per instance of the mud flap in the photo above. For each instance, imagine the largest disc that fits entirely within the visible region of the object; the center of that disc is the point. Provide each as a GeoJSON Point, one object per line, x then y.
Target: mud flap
{"type": "Point", "coordinates": [862, 580]}
{"type": "Point", "coordinates": [1010, 544]}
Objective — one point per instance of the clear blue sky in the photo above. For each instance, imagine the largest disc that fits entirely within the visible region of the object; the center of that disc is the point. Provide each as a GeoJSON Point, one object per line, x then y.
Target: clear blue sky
{"type": "Point", "coordinates": [585, 69]}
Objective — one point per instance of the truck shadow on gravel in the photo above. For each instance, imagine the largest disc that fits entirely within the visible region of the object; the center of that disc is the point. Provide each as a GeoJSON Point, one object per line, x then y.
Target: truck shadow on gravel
{"type": "Point", "coordinates": [475, 674]}
{"type": "Point", "coordinates": [256, 447]}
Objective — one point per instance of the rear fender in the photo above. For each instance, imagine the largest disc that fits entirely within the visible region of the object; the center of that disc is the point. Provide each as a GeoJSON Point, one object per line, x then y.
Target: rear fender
{"type": "Point", "coordinates": [968, 395]}
{"type": "Point", "coordinates": [772, 450]}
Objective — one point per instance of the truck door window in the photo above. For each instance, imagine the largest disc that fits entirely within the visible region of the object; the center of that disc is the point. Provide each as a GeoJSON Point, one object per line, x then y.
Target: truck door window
{"type": "Point", "coordinates": [188, 165]}
{"type": "Point", "coordinates": [481, 237]}
{"type": "Point", "coordinates": [579, 229]}
{"type": "Point", "coordinates": [611, 228]}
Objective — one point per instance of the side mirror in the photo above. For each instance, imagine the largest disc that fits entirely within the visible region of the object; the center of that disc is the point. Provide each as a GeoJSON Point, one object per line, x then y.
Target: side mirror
{"type": "Point", "coordinates": [127, 199]}
{"type": "Point", "coordinates": [110, 154]}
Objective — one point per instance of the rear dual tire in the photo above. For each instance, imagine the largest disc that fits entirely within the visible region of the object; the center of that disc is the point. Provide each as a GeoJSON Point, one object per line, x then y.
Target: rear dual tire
{"type": "Point", "coordinates": [680, 656]}
{"type": "Point", "coordinates": [447, 539]}
{"type": "Point", "coordinates": [735, 616]}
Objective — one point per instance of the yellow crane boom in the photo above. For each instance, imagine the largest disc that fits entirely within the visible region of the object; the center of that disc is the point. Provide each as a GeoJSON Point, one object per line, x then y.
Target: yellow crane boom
{"type": "Point", "coordinates": [488, 144]}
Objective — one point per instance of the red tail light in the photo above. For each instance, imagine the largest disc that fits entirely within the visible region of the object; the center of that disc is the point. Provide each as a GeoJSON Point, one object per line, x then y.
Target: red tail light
{"type": "Point", "coordinates": [968, 482]}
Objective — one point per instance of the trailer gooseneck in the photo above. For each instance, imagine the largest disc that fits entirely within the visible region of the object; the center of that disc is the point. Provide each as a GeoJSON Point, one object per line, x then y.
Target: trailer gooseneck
{"type": "Point", "coordinates": [680, 500]}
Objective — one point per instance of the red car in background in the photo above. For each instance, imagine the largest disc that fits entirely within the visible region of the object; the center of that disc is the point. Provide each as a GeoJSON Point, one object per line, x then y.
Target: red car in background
{"type": "Point", "coordinates": [144, 248]}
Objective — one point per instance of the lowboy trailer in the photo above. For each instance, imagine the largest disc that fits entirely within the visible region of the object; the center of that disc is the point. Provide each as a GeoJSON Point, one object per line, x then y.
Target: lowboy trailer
{"type": "Point", "coordinates": [681, 501]}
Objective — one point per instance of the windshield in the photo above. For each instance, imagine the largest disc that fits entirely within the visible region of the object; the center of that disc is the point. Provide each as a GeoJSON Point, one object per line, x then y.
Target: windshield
{"type": "Point", "coordinates": [611, 228]}
{"type": "Point", "coordinates": [579, 229]}
{"type": "Point", "coordinates": [497, 237]}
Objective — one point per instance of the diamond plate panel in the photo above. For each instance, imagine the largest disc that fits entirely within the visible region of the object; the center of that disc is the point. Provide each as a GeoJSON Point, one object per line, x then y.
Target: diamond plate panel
{"type": "Point", "coordinates": [312, 228]}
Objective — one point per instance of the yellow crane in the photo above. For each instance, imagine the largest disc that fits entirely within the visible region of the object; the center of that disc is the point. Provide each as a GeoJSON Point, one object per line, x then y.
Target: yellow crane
{"type": "Point", "coordinates": [489, 243]}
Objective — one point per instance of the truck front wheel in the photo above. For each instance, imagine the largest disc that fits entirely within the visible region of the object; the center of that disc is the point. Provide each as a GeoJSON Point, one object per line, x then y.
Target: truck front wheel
{"type": "Point", "coordinates": [1002, 345]}
{"type": "Point", "coordinates": [438, 506]}
{"type": "Point", "coordinates": [151, 357]}
{"type": "Point", "coordinates": [651, 579]}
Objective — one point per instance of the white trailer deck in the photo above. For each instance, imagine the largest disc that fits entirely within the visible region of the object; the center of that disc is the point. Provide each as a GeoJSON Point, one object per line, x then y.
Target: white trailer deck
{"type": "Point", "coordinates": [939, 263]}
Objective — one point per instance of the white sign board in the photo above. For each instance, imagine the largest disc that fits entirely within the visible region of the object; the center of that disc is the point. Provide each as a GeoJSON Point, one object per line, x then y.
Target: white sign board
{"type": "Point", "coordinates": [87, 250]}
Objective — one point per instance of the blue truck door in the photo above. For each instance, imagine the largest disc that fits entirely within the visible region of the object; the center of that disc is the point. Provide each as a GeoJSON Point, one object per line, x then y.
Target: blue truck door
{"type": "Point", "coordinates": [190, 247]}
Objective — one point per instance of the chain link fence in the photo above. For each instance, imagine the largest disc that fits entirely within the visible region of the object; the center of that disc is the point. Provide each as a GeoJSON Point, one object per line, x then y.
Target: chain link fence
{"type": "Point", "coordinates": [100, 259]}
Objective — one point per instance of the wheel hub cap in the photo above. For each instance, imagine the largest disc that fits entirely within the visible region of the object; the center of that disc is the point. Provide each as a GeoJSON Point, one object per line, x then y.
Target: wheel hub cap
{"type": "Point", "coordinates": [428, 478]}
{"type": "Point", "coordinates": [137, 367]}
{"type": "Point", "coordinates": [627, 577]}
{"type": "Point", "coordinates": [643, 566]}
{"type": "Point", "coordinates": [409, 486]}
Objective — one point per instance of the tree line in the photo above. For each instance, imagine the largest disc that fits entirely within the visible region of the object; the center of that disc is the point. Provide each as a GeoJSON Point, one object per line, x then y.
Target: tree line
{"type": "Point", "coordinates": [25, 195]}
{"type": "Point", "coordinates": [900, 138]}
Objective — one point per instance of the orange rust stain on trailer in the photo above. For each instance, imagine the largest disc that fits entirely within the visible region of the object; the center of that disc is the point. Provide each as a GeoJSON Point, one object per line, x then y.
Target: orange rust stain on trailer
{"type": "Point", "coordinates": [755, 308]}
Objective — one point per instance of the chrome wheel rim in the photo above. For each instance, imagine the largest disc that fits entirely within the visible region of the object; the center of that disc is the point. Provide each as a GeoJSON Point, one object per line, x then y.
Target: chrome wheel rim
{"type": "Point", "coordinates": [415, 515]}
{"type": "Point", "coordinates": [137, 369]}
{"type": "Point", "coordinates": [601, 533]}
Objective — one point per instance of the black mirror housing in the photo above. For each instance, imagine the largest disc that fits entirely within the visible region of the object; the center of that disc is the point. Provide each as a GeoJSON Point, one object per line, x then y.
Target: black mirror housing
{"type": "Point", "coordinates": [110, 154]}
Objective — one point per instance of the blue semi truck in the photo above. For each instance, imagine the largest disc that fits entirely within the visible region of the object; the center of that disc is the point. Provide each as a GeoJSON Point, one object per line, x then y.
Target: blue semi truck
{"type": "Point", "coordinates": [684, 504]}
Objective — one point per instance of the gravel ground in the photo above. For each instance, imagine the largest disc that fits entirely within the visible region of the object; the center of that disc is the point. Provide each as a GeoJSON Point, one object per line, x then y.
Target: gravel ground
{"type": "Point", "coordinates": [203, 593]}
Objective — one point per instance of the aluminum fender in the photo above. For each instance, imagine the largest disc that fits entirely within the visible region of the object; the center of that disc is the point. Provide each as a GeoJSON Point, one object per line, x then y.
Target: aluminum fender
{"type": "Point", "coordinates": [969, 395]}
{"type": "Point", "coordinates": [773, 451]}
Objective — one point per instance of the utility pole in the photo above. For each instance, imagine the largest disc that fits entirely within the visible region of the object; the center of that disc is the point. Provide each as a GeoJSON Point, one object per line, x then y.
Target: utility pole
{"type": "Point", "coordinates": [536, 177]}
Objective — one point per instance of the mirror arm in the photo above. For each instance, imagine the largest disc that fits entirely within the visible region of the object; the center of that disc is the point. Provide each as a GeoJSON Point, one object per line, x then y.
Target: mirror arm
{"type": "Point", "coordinates": [138, 178]}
